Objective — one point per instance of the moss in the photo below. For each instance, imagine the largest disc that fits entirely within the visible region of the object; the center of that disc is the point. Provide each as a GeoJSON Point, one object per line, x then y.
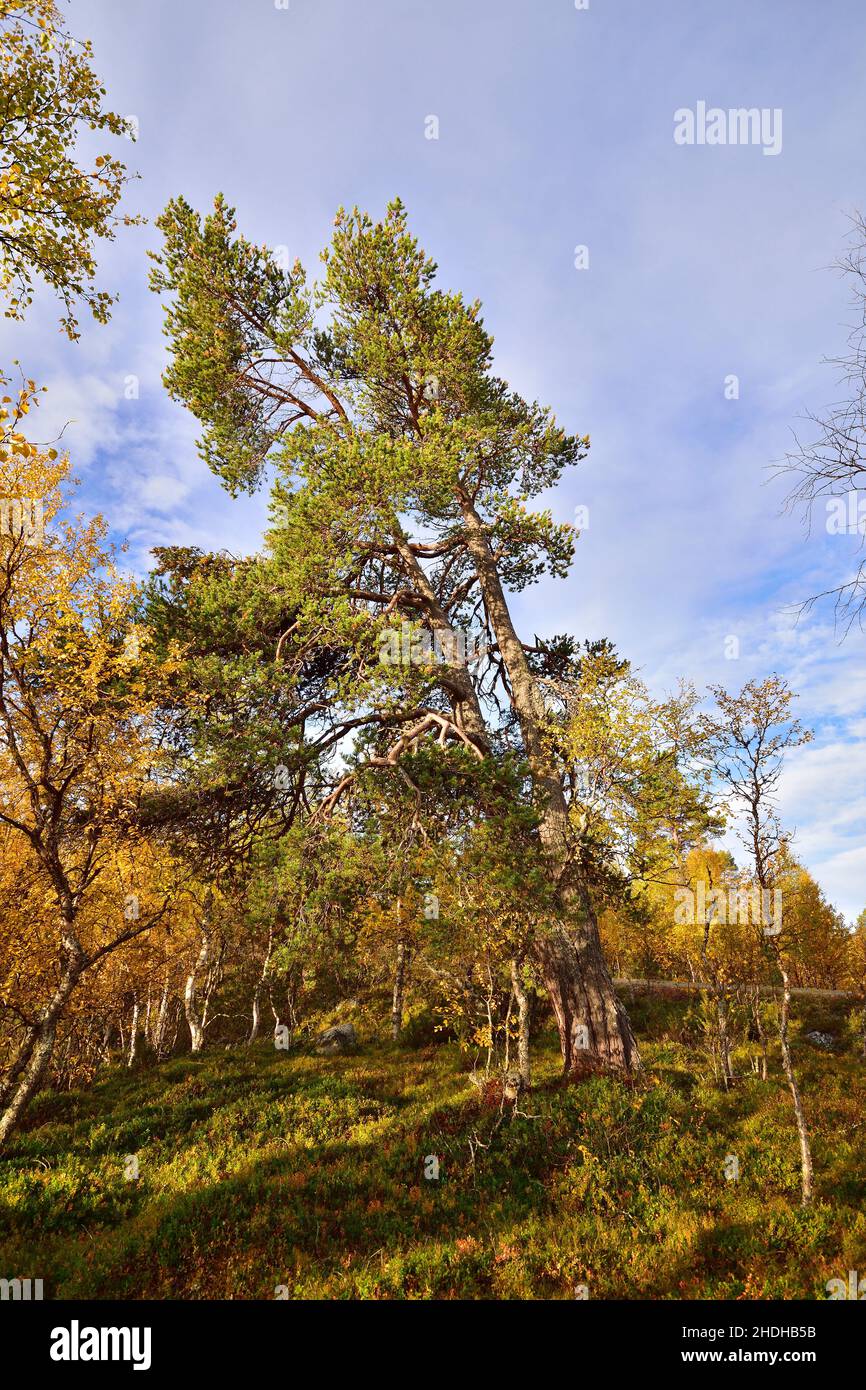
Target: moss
{"type": "Point", "coordinates": [260, 1169]}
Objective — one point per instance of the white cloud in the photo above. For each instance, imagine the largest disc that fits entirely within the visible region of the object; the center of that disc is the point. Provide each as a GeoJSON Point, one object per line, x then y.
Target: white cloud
{"type": "Point", "coordinates": [703, 262]}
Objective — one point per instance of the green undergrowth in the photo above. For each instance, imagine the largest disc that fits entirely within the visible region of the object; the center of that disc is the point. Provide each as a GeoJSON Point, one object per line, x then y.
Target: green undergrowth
{"type": "Point", "coordinates": [266, 1174]}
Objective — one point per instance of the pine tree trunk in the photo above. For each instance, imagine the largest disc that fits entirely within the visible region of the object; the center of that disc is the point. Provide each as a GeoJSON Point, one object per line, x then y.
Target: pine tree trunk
{"type": "Point", "coordinates": [571, 962]}
{"type": "Point", "coordinates": [594, 1030]}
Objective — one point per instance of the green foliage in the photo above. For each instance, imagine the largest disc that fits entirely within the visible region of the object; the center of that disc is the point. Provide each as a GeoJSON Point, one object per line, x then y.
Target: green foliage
{"type": "Point", "coordinates": [52, 209]}
{"type": "Point", "coordinates": [261, 1169]}
{"type": "Point", "coordinates": [231, 296]}
{"type": "Point", "coordinates": [389, 409]}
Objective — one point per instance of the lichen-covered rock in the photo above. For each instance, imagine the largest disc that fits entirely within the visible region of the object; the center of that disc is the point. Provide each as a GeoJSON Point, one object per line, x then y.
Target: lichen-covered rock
{"type": "Point", "coordinates": [341, 1038]}
{"type": "Point", "coordinates": [512, 1085]}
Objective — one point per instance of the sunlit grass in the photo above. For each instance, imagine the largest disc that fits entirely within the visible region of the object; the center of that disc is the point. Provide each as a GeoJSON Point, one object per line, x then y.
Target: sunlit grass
{"type": "Point", "coordinates": [261, 1169]}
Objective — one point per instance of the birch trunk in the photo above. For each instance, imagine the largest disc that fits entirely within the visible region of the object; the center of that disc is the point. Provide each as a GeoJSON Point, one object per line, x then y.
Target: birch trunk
{"type": "Point", "coordinates": [256, 1015]}
{"type": "Point", "coordinates": [38, 1051]}
{"type": "Point", "coordinates": [161, 1019]}
{"type": "Point", "coordinates": [133, 1035]}
{"type": "Point", "coordinates": [257, 994]}
{"type": "Point", "coordinates": [25, 1051]}
{"type": "Point", "coordinates": [791, 1076]}
{"type": "Point", "coordinates": [401, 969]}
{"type": "Point", "coordinates": [761, 1031]}
{"type": "Point", "coordinates": [191, 1003]}
{"type": "Point", "coordinates": [523, 1036]}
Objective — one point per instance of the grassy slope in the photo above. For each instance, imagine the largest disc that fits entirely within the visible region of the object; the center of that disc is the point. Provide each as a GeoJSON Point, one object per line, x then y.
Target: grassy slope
{"type": "Point", "coordinates": [260, 1169]}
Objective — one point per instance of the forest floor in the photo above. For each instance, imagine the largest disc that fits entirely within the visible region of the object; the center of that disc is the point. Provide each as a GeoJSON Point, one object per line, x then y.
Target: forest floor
{"type": "Point", "coordinates": [265, 1174]}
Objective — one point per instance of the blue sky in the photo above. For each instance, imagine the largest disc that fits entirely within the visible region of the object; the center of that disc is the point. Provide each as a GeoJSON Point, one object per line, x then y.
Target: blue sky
{"type": "Point", "coordinates": [555, 131]}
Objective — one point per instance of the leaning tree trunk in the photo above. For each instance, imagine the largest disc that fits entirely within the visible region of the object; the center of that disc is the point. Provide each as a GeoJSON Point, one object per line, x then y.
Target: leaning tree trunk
{"type": "Point", "coordinates": [13, 1074]}
{"type": "Point", "coordinates": [38, 1048]}
{"type": "Point", "coordinates": [594, 1029]}
{"type": "Point", "coordinates": [31, 1080]}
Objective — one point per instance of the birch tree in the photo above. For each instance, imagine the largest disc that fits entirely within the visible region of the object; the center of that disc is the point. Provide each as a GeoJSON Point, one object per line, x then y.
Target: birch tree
{"type": "Point", "coordinates": [747, 737]}
{"type": "Point", "coordinates": [53, 209]}
{"type": "Point", "coordinates": [75, 759]}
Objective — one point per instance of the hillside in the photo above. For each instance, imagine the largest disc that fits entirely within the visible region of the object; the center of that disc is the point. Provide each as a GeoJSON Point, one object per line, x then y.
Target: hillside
{"type": "Point", "coordinates": [260, 1169]}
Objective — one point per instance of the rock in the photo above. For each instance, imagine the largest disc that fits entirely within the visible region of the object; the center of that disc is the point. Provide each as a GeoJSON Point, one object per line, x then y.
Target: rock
{"type": "Point", "coordinates": [825, 1040]}
{"type": "Point", "coordinates": [512, 1085]}
{"type": "Point", "coordinates": [342, 1038]}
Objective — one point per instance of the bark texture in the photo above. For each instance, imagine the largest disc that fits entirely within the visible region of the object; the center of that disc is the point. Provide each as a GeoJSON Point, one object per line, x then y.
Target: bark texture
{"type": "Point", "coordinates": [594, 1030]}
{"type": "Point", "coordinates": [401, 970]}
{"type": "Point", "coordinates": [31, 1065]}
{"type": "Point", "coordinates": [524, 1066]}
{"type": "Point", "coordinates": [791, 1077]}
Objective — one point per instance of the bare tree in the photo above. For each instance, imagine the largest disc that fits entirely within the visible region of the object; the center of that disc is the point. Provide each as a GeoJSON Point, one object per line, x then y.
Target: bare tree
{"type": "Point", "coordinates": [829, 466]}
{"type": "Point", "coordinates": [747, 737]}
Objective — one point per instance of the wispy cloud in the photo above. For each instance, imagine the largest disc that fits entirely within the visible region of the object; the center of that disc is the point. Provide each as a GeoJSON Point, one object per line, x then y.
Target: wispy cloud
{"type": "Point", "coordinates": [556, 129]}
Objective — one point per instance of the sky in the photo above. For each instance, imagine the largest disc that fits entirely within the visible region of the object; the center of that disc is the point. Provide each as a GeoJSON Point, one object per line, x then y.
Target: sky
{"type": "Point", "coordinates": [554, 131]}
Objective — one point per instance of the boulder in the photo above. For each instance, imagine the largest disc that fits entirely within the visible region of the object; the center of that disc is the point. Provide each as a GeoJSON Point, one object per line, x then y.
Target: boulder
{"type": "Point", "coordinates": [341, 1038]}
{"type": "Point", "coordinates": [512, 1085]}
{"type": "Point", "coordinates": [825, 1040]}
